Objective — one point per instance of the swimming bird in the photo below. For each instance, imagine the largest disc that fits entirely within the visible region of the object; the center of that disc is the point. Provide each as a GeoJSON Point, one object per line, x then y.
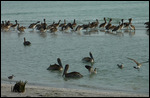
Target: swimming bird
{"type": "Point", "coordinates": [74, 24]}
{"type": "Point", "coordinates": [33, 25]}
{"type": "Point", "coordinates": [21, 29]}
{"type": "Point", "coordinates": [26, 42]}
{"type": "Point", "coordinates": [120, 66]}
{"type": "Point", "coordinates": [122, 24]}
{"type": "Point", "coordinates": [126, 24]}
{"type": "Point", "coordinates": [91, 70]}
{"type": "Point", "coordinates": [103, 24]}
{"type": "Point", "coordinates": [11, 77]}
{"type": "Point", "coordinates": [54, 29]}
{"type": "Point", "coordinates": [63, 24]}
{"type": "Point", "coordinates": [65, 28]}
{"type": "Point", "coordinates": [56, 66]}
{"type": "Point", "coordinates": [6, 26]}
{"type": "Point", "coordinates": [73, 74]}
{"type": "Point", "coordinates": [138, 64]}
{"type": "Point", "coordinates": [56, 24]}
{"type": "Point", "coordinates": [86, 26]}
{"type": "Point", "coordinates": [89, 59]}
{"type": "Point", "coordinates": [15, 25]}
{"type": "Point", "coordinates": [132, 27]}
{"type": "Point", "coordinates": [108, 25]}
{"type": "Point", "coordinates": [78, 28]}
{"type": "Point", "coordinates": [116, 28]}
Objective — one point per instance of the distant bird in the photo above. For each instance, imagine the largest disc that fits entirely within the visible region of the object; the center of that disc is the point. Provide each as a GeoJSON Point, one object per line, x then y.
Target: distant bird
{"type": "Point", "coordinates": [132, 27]}
{"type": "Point", "coordinates": [11, 77]}
{"type": "Point", "coordinates": [26, 42]}
{"type": "Point", "coordinates": [73, 74]}
{"type": "Point", "coordinates": [120, 66]}
{"type": "Point", "coordinates": [127, 24]}
{"type": "Point", "coordinates": [15, 25]}
{"type": "Point", "coordinates": [90, 69]}
{"type": "Point", "coordinates": [89, 59]}
{"type": "Point", "coordinates": [20, 29]}
{"type": "Point", "coordinates": [109, 24]}
{"type": "Point", "coordinates": [33, 25]}
{"type": "Point", "coordinates": [74, 24]}
{"type": "Point", "coordinates": [103, 24]}
{"type": "Point", "coordinates": [56, 66]}
{"type": "Point", "coordinates": [63, 24]}
{"type": "Point", "coordinates": [138, 64]}
{"type": "Point", "coordinates": [78, 28]}
{"type": "Point", "coordinates": [116, 28]}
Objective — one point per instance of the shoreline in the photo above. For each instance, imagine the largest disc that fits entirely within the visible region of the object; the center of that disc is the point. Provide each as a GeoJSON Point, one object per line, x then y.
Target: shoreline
{"type": "Point", "coordinates": [41, 91]}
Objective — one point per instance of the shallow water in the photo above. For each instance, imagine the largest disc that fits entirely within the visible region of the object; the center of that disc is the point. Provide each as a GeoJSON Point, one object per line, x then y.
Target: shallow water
{"type": "Point", "coordinates": [30, 63]}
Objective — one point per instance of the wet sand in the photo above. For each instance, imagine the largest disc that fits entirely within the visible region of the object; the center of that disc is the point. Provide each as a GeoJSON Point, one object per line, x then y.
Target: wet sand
{"type": "Point", "coordinates": [40, 91]}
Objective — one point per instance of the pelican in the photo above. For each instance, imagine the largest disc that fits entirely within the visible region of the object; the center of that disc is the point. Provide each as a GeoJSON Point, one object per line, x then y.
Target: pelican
{"type": "Point", "coordinates": [15, 25]}
{"type": "Point", "coordinates": [131, 27]}
{"type": "Point", "coordinates": [108, 25]}
{"type": "Point", "coordinates": [56, 66]}
{"type": "Point", "coordinates": [138, 64]}
{"type": "Point", "coordinates": [21, 29]}
{"type": "Point", "coordinates": [74, 24]}
{"type": "Point", "coordinates": [78, 28]}
{"type": "Point", "coordinates": [33, 25]}
{"type": "Point", "coordinates": [26, 42]}
{"type": "Point", "coordinates": [73, 74]}
{"type": "Point", "coordinates": [103, 24]}
{"type": "Point", "coordinates": [91, 70]}
{"type": "Point", "coordinates": [120, 66]}
{"type": "Point", "coordinates": [89, 59]}
{"type": "Point", "coordinates": [126, 24]}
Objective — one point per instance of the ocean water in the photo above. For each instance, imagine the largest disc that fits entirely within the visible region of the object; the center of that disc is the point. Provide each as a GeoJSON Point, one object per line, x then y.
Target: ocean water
{"type": "Point", "coordinates": [30, 62]}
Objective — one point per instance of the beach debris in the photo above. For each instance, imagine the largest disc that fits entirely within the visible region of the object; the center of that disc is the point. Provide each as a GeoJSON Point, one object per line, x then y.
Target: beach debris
{"type": "Point", "coordinates": [19, 87]}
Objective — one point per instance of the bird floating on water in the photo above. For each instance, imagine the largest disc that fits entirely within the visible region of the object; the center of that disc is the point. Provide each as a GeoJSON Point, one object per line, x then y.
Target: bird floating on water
{"type": "Point", "coordinates": [120, 66]}
{"type": "Point", "coordinates": [90, 69]}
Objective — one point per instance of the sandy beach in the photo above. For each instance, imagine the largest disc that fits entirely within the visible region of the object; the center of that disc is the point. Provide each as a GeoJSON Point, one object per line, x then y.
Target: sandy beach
{"type": "Point", "coordinates": [40, 91]}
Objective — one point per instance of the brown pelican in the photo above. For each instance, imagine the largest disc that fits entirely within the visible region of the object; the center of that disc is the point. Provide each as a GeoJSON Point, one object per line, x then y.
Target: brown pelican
{"type": "Point", "coordinates": [108, 25]}
{"type": "Point", "coordinates": [78, 28]}
{"type": "Point", "coordinates": [21, 29]}
{"type": "Point", "coordinates": [63, 24]}
{"type": "Point", "coordinates": [73, 74]}
{"type": "Point", "coordinates": [90, 69]}
{"type": "Point", "coordinates": [89, 59]}
{"type": "Point", "coordinates": [56, 66]}
{"type": "Point", "coordinates": [74, 24]}
{"type": "Point", "coordinates": [57, 24]}
{"type": "Point", "coordinates": [26, 42]}
{"type": "Point", "coordinates": [103, 24]}
{"type": "Point", "coordinates": [15, 25]}
{"type": "Point", "coordinates": [33, 25]}
{"type": "Point", "coordinates": [126, 24]}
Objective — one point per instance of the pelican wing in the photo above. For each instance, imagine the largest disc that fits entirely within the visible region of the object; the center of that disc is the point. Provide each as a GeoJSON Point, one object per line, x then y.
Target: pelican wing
{"type": "Point", "coordinates": [134, 61]}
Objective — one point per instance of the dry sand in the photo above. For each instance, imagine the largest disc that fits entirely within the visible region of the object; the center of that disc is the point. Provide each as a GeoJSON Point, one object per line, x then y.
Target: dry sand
{"type": "Point", "coordinates": [39, 91]}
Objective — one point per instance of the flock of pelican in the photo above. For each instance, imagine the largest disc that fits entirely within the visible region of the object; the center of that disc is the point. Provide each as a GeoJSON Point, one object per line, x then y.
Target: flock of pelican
{"type": "Point", "coordinates": [54, 27]}
{"type": "Point", "coordinates": [74, 74]}
{"type": "Point", "coordinates": [43, 27]}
